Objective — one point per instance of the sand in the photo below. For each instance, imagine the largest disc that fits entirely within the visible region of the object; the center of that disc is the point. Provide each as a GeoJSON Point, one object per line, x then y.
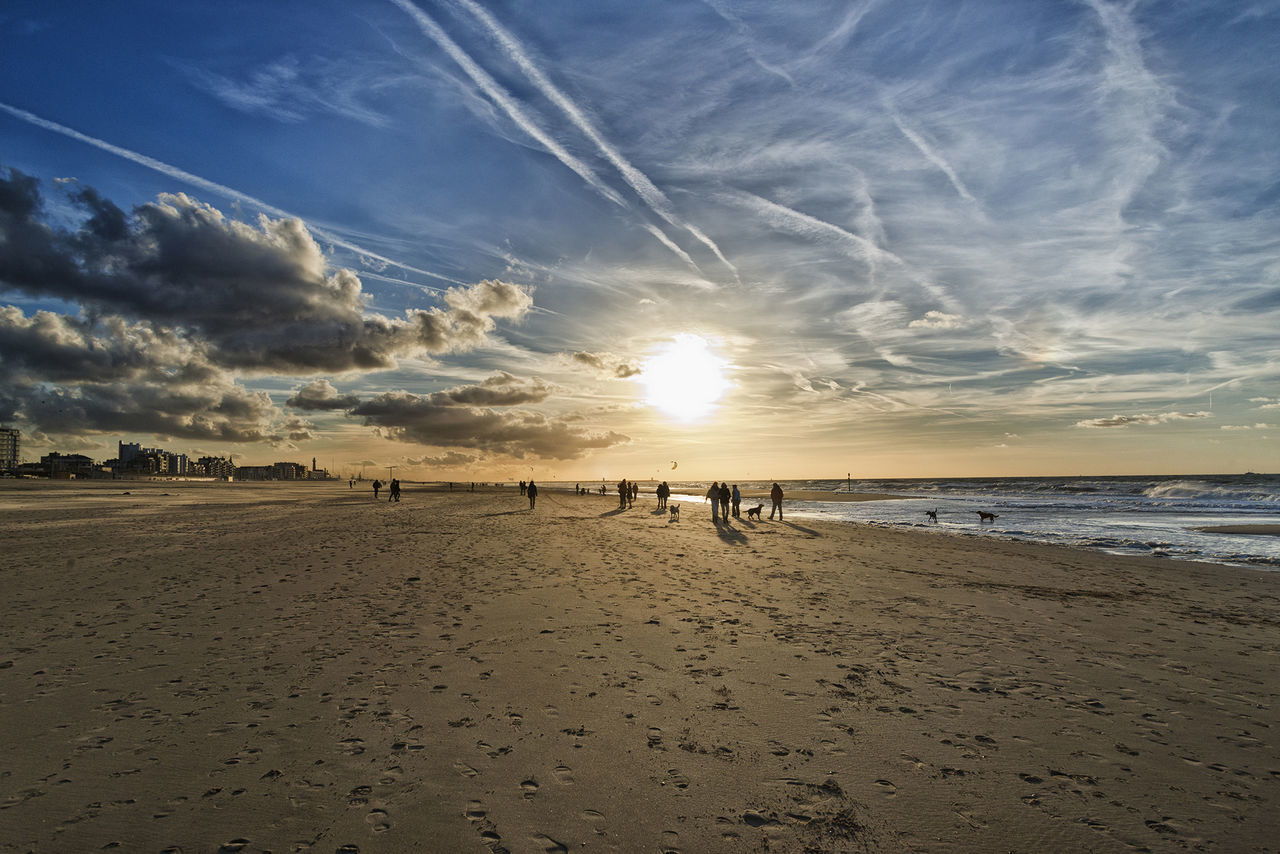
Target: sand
{"type": "Point", "coordinates": [229, 667]}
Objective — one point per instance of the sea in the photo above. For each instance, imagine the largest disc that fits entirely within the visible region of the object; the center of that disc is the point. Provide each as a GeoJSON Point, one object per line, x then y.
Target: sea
{"type": "Point", "coordinates": [1149, 516]}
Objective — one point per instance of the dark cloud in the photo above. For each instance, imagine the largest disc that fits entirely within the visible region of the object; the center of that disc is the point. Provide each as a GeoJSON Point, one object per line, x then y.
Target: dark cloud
{"type": "Point", "coordinates": [178, 302]}
{"type": "Point", "coordinates": [607, 363]}
{"type": "Point", "coordinates": [49, 347]}
{"type": "Point", "coordinates": [320, 396]}
{"type": "Point", "coordinates": [461, 418]}
{"type": "Point", "coordinates": [258, 298]}
{"type": "Point", "coordinates": [450, 459]}
{"type": "Point", "coordinates": [205, 411]}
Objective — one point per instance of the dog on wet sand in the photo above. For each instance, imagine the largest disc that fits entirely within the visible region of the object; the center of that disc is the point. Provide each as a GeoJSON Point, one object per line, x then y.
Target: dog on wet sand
{"type": "Point", "coordinates": [984, 516]}
{"type": "Point", "coordinates": [674, 513]}
{"type": "Point", "coordinates": [932, 514]}
{"type": "Point", "coordinates": [755, 511]}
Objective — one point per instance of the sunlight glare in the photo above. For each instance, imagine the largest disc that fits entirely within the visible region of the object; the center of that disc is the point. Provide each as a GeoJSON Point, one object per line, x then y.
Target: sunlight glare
{"type": "Point", "coordinates": [685, 378]}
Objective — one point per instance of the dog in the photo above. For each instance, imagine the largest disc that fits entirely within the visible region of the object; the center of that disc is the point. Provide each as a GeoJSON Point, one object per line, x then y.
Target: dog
{"type": "Point", "coordinates": [674, 513]}
{"type": "Point", "coordinates": [984, 516]}
{"type": "Point", "coordinates": [755, 511]}
{"type": "Point", "coordinates": [932, 514]}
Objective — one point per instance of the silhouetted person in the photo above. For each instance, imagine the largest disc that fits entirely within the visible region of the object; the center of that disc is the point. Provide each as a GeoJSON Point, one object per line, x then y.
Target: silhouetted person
{"type": "Point", "coordinates": [775, 495]}
{"type": "Point", "coordinates": [393, 493]}
{"type": "Point", "coordinates": [377, 485]}
{"type": "Point", "coordinates": [713, 495]}
{"type": "Point", "coordinates": [736, 497]}
{"type": "Point", "coordinates": [532, 492]}
{"type": "Point", "coordinates": [724, 501]}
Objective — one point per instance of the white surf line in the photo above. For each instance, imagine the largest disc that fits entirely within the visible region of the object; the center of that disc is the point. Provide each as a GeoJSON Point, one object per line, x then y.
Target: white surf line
{"type": "Point", "coordinates": [506, 102]}
{"type": "Point", "coordinates": [212, 186]}
{"type": "Point", "coordinates": [643, 186]}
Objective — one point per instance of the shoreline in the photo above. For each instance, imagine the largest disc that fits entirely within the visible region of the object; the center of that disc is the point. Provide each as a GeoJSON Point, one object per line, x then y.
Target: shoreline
{"type": "Point", "coordinates": [300, 668]}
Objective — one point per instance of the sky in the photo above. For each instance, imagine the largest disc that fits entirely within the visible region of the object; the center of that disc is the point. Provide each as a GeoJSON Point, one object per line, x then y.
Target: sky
{"type": "Point", "coordinates": [483, 240]}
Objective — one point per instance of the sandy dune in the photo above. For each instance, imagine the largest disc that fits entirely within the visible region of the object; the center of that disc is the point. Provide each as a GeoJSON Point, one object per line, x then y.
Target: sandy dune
{"type": "Point", "coordinates": [299, 668]}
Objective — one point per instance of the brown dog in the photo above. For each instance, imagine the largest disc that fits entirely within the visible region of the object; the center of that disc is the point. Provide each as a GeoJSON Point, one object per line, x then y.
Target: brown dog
{"type": "Point", "coordinates": [984, 516]}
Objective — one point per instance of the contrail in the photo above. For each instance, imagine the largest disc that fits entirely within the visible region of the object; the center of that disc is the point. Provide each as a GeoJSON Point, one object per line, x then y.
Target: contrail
{"type": "Point", "coordinates": [500, 97]}
{"type": "Point", "coordinates": [927, 150]}
{"type": "Point", "coordinates": [205, 184]}
{"type": "Point", "coordinates": [645, 188]}
{"type": "Point", "coordinates": [810, 226]}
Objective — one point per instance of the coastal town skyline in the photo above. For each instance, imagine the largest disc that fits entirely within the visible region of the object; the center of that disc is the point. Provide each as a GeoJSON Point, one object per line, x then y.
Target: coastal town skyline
{"type": "Point", "coordinates": [484, 241]}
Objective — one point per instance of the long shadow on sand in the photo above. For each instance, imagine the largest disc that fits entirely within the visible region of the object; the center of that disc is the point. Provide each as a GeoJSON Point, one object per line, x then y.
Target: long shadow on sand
{"type": "Point", "coordinates": [801, 528]}
{"type": "Point", "coordinates": [730, 534]}
{"type": "Point", "coordinates": [614, 512]}
{"type": "Point", "coordinates": [505, 513]}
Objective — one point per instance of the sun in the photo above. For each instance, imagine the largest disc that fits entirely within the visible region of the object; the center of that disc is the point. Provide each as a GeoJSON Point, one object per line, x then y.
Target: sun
{"type": "Point", "coordinates": [685, 378]}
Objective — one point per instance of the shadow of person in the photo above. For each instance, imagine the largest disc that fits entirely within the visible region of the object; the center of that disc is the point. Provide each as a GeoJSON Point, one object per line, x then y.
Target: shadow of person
{"type": "Point", "coordinates": [614, 512]}
{"type": "Point", "coordinates": [801, 528]}
{"type": "Point", "coordinates": [730, 534]}
{"type": "Point", "coordinates": [504, 513]}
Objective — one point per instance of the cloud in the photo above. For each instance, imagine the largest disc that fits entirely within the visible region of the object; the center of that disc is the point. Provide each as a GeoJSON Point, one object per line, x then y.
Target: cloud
{"type": "Point", "coordinates": [937, 320]}
{"type": "Point", "coordinates": [462, 417]}
{"type": "Point", "coordinates": [1145, 420]}
{"type": "Point", "coordinates": [174, 172]}
{"type": "Point", "coordinates": [607, 363]}
{"type": "Point", "coordinates": [203, 411]}
{"type": "Point", "coordinates": [256, 298]}
{"type": "Point", "coordinates": [1259, 426]}
{"type": "Point", "coordinates": [451, 459]}
{"type": "Point", "coordinates": [291, 89]}
{"type": "Point", "coordinates": [321, 396]}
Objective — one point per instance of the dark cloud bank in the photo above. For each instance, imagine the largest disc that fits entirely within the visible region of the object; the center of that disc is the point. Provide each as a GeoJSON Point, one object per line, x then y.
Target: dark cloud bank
{"type": "Point", "coordinates": [176, 303]}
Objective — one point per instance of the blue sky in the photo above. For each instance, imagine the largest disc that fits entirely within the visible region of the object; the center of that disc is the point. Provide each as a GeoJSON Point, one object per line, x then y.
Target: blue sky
{"type": "Point", "coordinates": [913, 238]}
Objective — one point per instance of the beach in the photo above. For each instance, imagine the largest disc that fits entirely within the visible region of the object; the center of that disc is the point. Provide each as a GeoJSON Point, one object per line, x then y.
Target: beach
{"type": "Point", "coordinates": [274, 667]}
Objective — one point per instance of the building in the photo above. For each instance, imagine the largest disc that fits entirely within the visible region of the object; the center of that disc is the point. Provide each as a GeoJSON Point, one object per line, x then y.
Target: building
{"type": "Point", "coordinates": [9, 447]}
{"type": "Point", "coordinates": [58, 465]}
{"type": "Point", "coordinates": [219, 467]}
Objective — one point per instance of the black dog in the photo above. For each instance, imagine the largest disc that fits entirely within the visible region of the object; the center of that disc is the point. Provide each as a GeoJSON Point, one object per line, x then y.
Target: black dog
{"type": "Point", "coordinates": [983, 516]}
{"type": "Point", "coordinates": [932, 514]}
{"type": "Point", "coordinates": [755, 511]}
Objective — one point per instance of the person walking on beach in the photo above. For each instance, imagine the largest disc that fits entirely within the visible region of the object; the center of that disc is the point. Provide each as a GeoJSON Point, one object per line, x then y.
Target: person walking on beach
{"type": "Point", "coordinates": [775, 495]}
{"type": "Point", "coordinates": [393, 493]}
{"type": "Point", "coordinates": [663, 492]}
{"type": "Point", "coordinates": [737, 501]}
{"type": "Point", "coordinates": [377, 485]}
{"type": "Point", "coordinates": [633, 494]}
{"type": "Point", "coordinates": [623, 489]}
{"type": "Point", "coordinates": [532, 491]}
{"type": "Point", "coordinates": [713, 495]}
{"type": "Point", "coordinates": [724, 500]}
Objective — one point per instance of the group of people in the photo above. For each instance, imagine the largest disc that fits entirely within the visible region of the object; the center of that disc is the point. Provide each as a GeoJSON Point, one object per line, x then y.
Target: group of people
{"type": "Point", "coordinates": [628, 492]}
{"type": "Point", "coordinates": [393, 489]}
{"type": "Point", "coordinates": [723, 497]}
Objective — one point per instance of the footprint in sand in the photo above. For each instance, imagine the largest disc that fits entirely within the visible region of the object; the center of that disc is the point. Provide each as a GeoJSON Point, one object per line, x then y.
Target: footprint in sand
{"type": "Point", "coordinates": [378, 821]}
{"type": "Point", "coordinates": [529, 787]}
{"type": "Point", "coordinates": [475, 811]}
{"type": "Point", "coordinates": [549, 845]}
{"type": "Point", "coordinates": [887, 788]}
{"type": "Point", "coordinates": [595, 819]}
{"type": "Point", "coordinates": [563, 774]}
{"type": "Point", "coordinates": [655, 738]}
{"type": "Point", "coordinates": [465, 770]}
{"type": "Point", "coordinates": [670, 841]}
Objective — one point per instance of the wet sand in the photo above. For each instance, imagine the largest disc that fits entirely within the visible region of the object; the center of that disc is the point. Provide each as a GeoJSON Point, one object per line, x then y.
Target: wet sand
{"type": "Point", "coordinates": [1263, 530]}
{"type": "Point", "coordinates": [299, 668]}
